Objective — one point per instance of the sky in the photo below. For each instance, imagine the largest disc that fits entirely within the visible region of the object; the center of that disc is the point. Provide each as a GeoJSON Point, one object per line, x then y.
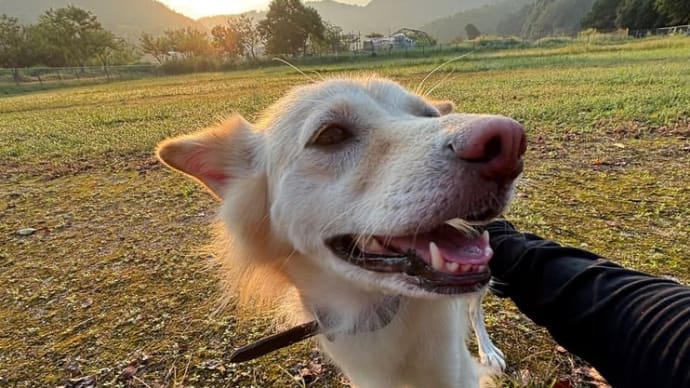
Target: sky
{"type": "Point", "coordinates": [200, 8]}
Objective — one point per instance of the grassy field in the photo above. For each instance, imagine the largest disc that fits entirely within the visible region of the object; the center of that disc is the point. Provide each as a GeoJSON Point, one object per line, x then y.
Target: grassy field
{"type": "Point", "coordinates": [112, 285]}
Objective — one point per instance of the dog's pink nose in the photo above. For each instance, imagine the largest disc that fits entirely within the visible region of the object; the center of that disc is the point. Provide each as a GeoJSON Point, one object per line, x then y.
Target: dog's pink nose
{"type": "Point", "coordinates": [496, 144]}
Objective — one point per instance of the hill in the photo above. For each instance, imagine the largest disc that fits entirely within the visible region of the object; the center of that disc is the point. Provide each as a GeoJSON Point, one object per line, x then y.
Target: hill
{"type": "Point", "coordinates": [211, 21]}
{"type": "Point", "coordinates": [125, 18]}
{"type": "Point", "coordinates": [547, 17]}
{"type": "Point", "coordinates": [486, 18]}
{"type": "Point", "coordinates": [386, 16]}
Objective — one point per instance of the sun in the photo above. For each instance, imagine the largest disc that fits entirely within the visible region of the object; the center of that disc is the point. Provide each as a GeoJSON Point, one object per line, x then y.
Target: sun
{"type": "Point", "coordinates": [201, 8]}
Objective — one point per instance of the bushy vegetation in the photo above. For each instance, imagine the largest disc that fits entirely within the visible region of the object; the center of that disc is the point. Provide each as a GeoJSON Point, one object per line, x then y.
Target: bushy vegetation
{"type": "Point", "coordinates": [636, 14]}
{"type": "Point", "coordinates": [63, 37]}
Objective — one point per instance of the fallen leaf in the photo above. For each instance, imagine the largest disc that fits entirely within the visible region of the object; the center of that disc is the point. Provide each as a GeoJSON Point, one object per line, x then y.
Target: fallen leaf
{"type": "Point", "coordinates": [81, 382]}
{"type": "Point", "coordinates": [74, 368]}
{"type": "Point", "coordinates": [525, 377]}
{"type": "Point", "coordinates": [26, 231]}
{"type": "Point", "coordinates": [315, 367]}
{"type": "Point", "coordinates": [87, 303]}
{"type": "Point", "coordinates": [129, 372]}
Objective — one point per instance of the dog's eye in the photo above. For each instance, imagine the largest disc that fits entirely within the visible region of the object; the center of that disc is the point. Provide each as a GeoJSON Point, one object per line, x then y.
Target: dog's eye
{"type": "Point", "coordinates": [330, 134]}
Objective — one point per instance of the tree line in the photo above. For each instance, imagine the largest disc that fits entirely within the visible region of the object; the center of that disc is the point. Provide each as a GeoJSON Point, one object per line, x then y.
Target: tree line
{"type": "Point", "coordinates": [67, 36]}
{"type": "Point", "coordinates": [71, 36]}
{"type": "Point", "coordinates": [609, 15]}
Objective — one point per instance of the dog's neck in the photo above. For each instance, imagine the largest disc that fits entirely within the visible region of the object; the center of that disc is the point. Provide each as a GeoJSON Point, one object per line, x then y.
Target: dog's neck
{"type": "Point", "coordinates": [339, 306]}
{"type": "Point", "coordinates": [371, 318]}
{"type": "Point", "coordinates": [327, 322]}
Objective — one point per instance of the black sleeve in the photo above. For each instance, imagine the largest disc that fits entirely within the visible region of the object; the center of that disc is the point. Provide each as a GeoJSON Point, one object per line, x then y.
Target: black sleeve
{"type": "Point", "coordinates": [632, 327]}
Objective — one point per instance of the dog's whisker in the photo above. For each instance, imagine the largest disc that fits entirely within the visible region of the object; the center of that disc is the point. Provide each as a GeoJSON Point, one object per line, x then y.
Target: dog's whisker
{"type": "Point", "coordinates": [352, 208]}
{"type": "Point", "coordinates": [297, 69]}
{"type": "Point", "coordinates": [439, 67]}
{"type": "Point", "coordinates": [441, 82]}
{"type": "Point", "coordinates": [321, 76]}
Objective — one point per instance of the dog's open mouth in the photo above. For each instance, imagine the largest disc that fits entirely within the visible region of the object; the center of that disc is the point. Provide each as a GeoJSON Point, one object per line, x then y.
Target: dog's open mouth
{"type": "Point", "coordinates": [444, 260]}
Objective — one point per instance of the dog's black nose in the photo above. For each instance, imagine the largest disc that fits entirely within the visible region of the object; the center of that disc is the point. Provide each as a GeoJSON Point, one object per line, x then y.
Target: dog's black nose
{"type": "Point", "coordinates": [496, 144]}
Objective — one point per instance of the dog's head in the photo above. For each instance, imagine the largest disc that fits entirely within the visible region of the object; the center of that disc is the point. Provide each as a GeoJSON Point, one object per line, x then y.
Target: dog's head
{"type": "Point", "coordinates": [366, 180]}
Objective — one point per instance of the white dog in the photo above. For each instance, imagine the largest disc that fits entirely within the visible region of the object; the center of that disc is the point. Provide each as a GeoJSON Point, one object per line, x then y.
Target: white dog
{"type": "Point", "coordinates": [358, 196]}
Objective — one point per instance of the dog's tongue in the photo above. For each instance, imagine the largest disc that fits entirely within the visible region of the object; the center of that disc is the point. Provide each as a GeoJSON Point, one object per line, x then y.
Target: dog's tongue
{"type": "Point", "coordinates": [454, 245]}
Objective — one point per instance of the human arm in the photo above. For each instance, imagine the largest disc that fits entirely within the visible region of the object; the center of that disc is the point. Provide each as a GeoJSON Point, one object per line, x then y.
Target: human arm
{"type": "Point", "coordinates": [632, 327]}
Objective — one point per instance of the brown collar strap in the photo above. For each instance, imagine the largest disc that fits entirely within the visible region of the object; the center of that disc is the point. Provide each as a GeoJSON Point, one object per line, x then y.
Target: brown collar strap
{"type": "Point", "coordinates": [274, 342]}
{"type": "Point", "coordinates": [383, 314]}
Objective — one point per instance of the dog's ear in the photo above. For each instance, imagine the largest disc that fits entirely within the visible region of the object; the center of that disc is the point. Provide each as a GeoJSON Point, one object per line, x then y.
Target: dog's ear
{"type": "Point", "coordinates": [216, 156]}
{"type": "Point", "coordinates": [444, 107]}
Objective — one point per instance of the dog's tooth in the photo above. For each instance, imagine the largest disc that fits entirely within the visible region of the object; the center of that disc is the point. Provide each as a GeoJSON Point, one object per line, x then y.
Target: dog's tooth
{"type": "Point", "coordinates": [481, 268]}
{"type": "Point", "coordinates": [466, 267]}
{"type": "Point", "coordinates": [373, 245]}
{"type": "Point", "coordinates": [436, 258]}
{"type": "Point", "coordinates": [452, 266]}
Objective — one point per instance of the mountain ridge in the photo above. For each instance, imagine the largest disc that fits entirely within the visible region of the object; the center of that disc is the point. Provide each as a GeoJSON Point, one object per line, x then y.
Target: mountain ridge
{"type": "Point", "coordinates": [126, 18]}
{"type": "Point", "coordinates": [486, 18]}
{"type": "Point", "coordinates": [382, 16]}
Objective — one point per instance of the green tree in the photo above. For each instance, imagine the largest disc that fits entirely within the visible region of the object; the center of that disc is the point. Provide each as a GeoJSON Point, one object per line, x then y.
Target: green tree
{"type": "Point", "coordinates": [226, 41]}
{"type": "Point", "coordinates": [239, 37]}
{"type": "Point", "coordinates": [71, 35]}
{"type": "Point", "coordinates": [113, 50]}
{"type": "Point", "coordinates": [12, 42]}
{"type": "Point", "coordinates": [634, 14]}
{"type": "Point", "coordinates": [13, 45]}
{"type": "Point", "coordinates": [472, 31]}
{"type": "Point", "coordinates": [195, 43]}
{"type": "Point", "coordinates": [188, 42]}
{"type": "Point", "coordinates": [249, 33]}
{"type": "Point", "coordinates": [157, 47]}
{"type": "Point", "coordinates": [677, 11]}
{"type": "Point", "coordinates": [333, 39]}
{"type": "Point", "coordinates": [290, 26]}
{"type": "Point", "coordinates": [603, 15]}
{"type": "Point", "coordinates": [105, 43]}
{"type": "Point", "coordinates": [122, 53]}
{"type": "Point", "coordinates": [638, 14]}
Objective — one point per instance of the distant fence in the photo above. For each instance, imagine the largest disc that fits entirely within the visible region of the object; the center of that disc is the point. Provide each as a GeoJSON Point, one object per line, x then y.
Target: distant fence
{"type": "Point", "coordinates": [46, 77]}
{"type": "Point", "coordinates": [675, 30]}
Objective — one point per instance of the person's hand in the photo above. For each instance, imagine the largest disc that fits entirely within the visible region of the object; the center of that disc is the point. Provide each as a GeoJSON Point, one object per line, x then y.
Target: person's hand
{"type": "Point", "coordinates": [521, 257]}
{"type": "Point", "coordinates": [500, 232]}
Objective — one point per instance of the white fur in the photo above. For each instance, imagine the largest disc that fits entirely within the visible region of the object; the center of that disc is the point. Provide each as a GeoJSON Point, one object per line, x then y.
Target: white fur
{"type": "Point", "coordinates": [282, 198]}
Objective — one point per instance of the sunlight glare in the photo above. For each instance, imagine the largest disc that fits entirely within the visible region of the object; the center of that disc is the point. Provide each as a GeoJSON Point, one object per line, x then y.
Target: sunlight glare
{"type": "Point", "coordinates": [201, 8]}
